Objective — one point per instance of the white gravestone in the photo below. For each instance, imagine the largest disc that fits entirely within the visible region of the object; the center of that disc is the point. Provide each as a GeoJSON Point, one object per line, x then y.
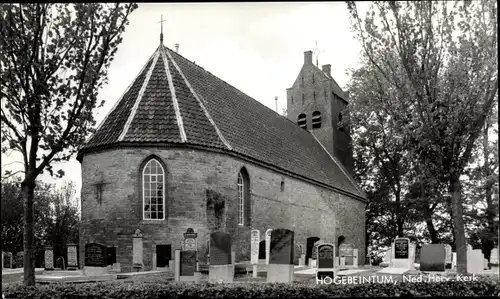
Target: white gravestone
{"type": "Point", "coordinates": [448, 255]}
{"type": "Point", "coordinates": [137, 249]}
{"type": "Point", "coordinates": [475, 261]}
{"type": "Point", "coordinates": [49, 258]}
{"type": "Point", "coordinates": [254, 248]}
{"type": "Point", "coordinates": [72, 257]}
{"type": "Point", "coordinates": [268, 245]}
{"type": "Point", "coordinates": [402, 257]}
{"type": "Point", "coordinates": [494, 257]}
{"type": "Point", "coordinates": [453, 260]}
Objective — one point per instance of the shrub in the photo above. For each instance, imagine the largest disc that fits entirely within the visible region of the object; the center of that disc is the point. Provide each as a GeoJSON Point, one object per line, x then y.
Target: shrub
{"type": "Point", "coordinates": [117, 289]}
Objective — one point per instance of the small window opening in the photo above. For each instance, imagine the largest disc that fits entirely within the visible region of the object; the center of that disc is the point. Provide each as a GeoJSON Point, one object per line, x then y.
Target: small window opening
{"type": "Point", "coordinates": [316, 120]}
{"type": "Point", "coordinates": [301, 121]}
{"type": "Point", "coordinates": [303, 99]}
{"type": "Point", "coordinates": [282, 185]}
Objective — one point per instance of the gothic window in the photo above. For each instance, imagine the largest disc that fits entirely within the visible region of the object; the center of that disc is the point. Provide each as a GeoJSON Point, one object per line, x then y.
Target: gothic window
{"type": "Point", "coordinates": [316, 120]}
{"type": "Point", "coordinates": [302, 121]}
{"type": "Point", "coordinates": [243, 198]}
{"type": "Point", "coordinates": [153, 191]}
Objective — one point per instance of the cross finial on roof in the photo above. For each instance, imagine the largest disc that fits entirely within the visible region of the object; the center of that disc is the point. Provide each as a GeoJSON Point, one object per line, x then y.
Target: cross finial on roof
{"type": "Point", "coordinates": [316, 53]}
{"type": "Point", "coordinates": [161, 33]}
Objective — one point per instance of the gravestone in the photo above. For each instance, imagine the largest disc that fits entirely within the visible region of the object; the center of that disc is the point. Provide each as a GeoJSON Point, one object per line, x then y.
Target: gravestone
{"type": "Point", "coordinates": [111, 255]}
{"type": "Point", "coordinates": [326, 261]}
{"type": "Point", "coordinates": [348, 256]}
{"type": "Point", "coordinates": [494, 257]}
{"type": "Point", "coordinates": [475, 260]}
{"type": "Point", "coordinates": [163, 255]}
{"type": "Point", "coordinates": [281, 266]}
{"type": "Point", "coordinates": [7, 259]}
{"type": "Point", "coordinates": [453, 260]}
{"type": "Point", "coordinates": [448, 257]}
{"type": "Point", "coordinates": [60, 264]}
{"type": "Point", "coordinates": [49, 258]}
{"type": "Point", "coordinates": [268, 245]}
{"type": "Point", "coordinates": [190, 243]}
{"type": "Point", "coordinates": [402, 257]}
{"type": "Point", "coordinates": [221, 267]}
{"type": "Point", "coordinates": [72, 256]}
{"type": "Point", "coordinates": [432, 257]}
{"type": "Point", "coordinates": [186, 266]}
{"type": "Point", "coordinates": [254, 250]}
{"type": "Point", "coordinates": [137, 250]}
{"type": "Point", "coordinates": [95, 259]}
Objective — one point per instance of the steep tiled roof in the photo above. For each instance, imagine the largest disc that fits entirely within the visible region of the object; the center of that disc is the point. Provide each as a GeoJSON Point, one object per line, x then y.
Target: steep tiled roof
{"type": "Point", "coordinates": [175, 101]}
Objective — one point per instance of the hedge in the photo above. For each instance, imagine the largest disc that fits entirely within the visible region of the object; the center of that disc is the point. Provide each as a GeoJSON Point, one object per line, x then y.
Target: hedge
{"type": "Point", "coordinates": [120, 290]}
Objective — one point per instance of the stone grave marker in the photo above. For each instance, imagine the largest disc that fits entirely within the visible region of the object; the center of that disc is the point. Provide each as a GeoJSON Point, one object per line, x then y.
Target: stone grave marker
{"type": "Point", "coordinates": [449, 255]}
{"type": "Point", "coordinates": [221, 267]}
{"type": "Point", "coordinates": [453, 260]}
{"type": "Point", "coordinates": [326, 261]}
{"type": "Point", "coordinates": [268, 245]}
{"type": "Point", "coordinates": [49, 258]}
{"type": "Point", "coordinates": [281, 268]}
{"type": "Point", "coordinates": [137, 250]}
{"type": "Point", "coordinates": [296, 254]}
{"type": "Point", "coordinates": [402, 257]}
{"type": "Point", "coordinates": [7, 259]}
{"type": "Point", "coordinates": [348, 256]}
{"type": "Point", "coordinates": [494, 257]}
{"type": "Point", "coordinates": [190, 243]}
{"type": "Point", "coordinates": [432, 257]}
{"type": "Point", "coordinates": [254, 250]}
{"type": "Point", "coordinates": [95, 259]}
{"type": "Point", "coordinates": [475, 261]}
{"type": "Point", "coordinates": [72, 256]}
{"type": "Point", "coordinates": [186, 266]}
{"type": "Point", "coordinates": [60, 263]}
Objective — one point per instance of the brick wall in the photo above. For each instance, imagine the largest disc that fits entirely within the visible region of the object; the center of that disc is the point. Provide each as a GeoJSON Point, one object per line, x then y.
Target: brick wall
{"type": "Point", "coordinates": [307, 209]}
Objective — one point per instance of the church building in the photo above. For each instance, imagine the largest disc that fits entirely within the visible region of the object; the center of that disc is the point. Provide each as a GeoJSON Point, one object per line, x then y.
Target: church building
{"type": "Point", "coordinates": [183, 149]}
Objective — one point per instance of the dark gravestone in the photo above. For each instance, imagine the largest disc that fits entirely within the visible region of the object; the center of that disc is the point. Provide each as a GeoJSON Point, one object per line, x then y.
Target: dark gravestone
{"type": "Point", "coordinates": [309, 247]}
{"type": "Point", "coordinates": [220, 248]}
{"type": "Point", "coordinates": [325, 256]}
{"type": "Point", "coordinates": [95, 255]}
{"type": "Point", "coordinates": [163, 255]}
{"type": "Point", "coordinates": [281, 247]}
{"type": "Point", "coordinates": [401, 247]}
{"type": "Point", "coordinates": [432, 257]}
{"type": "Point", "coordinates": [347, 252]}
{"type": "Point", "coordinates": [111, 253]}
{"type": "Point", "coordinates": [262, 250]}
{"type": "Point", "coordinates": [188, 263]}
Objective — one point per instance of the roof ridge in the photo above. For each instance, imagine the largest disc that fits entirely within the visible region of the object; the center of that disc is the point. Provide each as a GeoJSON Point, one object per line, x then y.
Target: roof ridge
{"type": "Point", "coordinates": [341, 166]}
{"type": "Point", "coordinates": [219, 133]}
{"type": "Point", "coordinates": [178, 116]}
{"type": "Point", "coordinates": [139, 96]}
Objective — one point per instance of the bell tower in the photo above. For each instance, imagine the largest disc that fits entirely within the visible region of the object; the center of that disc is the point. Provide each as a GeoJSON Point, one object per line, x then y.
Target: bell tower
{"type": "Point", "coordinates": [316, 103]}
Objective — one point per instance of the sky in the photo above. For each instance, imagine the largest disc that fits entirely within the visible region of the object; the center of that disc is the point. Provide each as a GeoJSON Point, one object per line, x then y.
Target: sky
{"type": "Point", "coordinates": [256, 47]}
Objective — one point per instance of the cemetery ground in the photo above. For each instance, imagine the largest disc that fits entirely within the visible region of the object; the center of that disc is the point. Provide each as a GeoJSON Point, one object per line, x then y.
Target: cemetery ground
{"type": "Point", "coordinates": [161, 284]}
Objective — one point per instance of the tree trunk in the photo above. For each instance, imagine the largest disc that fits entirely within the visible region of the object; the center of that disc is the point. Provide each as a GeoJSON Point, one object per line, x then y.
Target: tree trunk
{"type": "Point", "coordinates": [458, 221]}
{"type": "Point", "coordinates": [432, 230]}
{"type": "Point", "coordinates": [28, 189]}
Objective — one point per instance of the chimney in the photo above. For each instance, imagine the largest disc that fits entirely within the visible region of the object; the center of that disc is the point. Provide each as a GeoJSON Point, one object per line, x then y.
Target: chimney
{"type": "Point", "coordinates": [327, 68]}
{"type": "Point", "coordinates": [177, 48]}
{"type": "Point", "coordinates": [308, 57]}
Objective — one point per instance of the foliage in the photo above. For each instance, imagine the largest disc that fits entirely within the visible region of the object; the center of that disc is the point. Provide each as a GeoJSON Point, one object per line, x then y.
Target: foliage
{"type": "Point", "coordinates": [430, 68]}
{"type": "Point", "coordinates": [54, 62]}
{"type": "Point", "coordinates": [483, 287]}
{"type": "Point", "coordinates": [56, 218]}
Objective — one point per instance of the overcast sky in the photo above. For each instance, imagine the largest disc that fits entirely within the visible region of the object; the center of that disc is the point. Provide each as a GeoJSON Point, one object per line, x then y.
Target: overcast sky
{"type": "Point", "coordinates": [256, 47]}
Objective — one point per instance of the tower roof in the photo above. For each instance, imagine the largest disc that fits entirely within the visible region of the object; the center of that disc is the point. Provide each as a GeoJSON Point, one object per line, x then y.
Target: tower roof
{"type": "Point", "coordinates": [176, 102]}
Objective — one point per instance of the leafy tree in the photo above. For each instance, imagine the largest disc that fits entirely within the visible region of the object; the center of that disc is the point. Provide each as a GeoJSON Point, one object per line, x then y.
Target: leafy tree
{"type": "Point", "coordinates": [55, 58]}
{"type": "Point", "coordinates": [435, 63]}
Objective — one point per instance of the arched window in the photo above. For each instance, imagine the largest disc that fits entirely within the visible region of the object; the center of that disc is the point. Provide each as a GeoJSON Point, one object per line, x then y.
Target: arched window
{"type": "Point", "coordinates": [316, 120]}
{"type": "Point", "coordinates": [153, 191]}
{"type": "Point", "coordinates": [243, 198]}
{"type": "Point", "coordinates": [301, 121]}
